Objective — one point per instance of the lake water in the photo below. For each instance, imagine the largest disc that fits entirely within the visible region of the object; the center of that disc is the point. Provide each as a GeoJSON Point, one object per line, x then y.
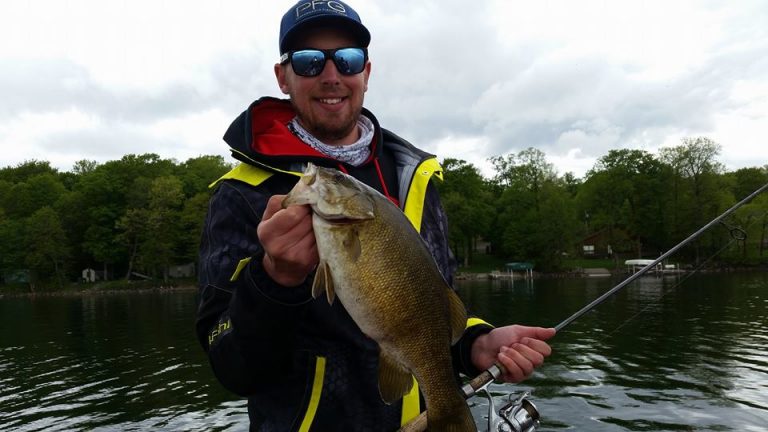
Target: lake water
{"type": "Point", "coordinates": [665, 354]}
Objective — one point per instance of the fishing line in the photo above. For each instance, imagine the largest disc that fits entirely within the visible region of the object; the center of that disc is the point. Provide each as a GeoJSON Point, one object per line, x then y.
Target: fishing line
{"type": "Point", "coordinates": [731, 230]}
{"type": "Point", "coordinates": [664, 256]}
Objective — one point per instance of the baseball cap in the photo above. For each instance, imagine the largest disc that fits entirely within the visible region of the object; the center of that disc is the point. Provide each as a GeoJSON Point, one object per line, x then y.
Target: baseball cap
{"type": "Point", "coordinates": [310, 13]}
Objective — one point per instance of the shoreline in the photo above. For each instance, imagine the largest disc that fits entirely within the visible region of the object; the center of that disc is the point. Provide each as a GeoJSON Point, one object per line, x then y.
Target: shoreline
{"type": "Point", "coordinates": [96, 289]}
{"type": "Point", "coordinates": [596, 273]}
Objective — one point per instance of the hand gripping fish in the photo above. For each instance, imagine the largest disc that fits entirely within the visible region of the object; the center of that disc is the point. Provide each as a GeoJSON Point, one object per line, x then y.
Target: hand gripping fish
{"type": "Point", "coordinates": [378, 266]}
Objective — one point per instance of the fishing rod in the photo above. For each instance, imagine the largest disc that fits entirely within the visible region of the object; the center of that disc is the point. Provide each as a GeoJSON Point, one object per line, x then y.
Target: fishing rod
{"type": "Point", "coordinates": [520, 414]}
{"type": "Point", "coordinates": [655, 262]}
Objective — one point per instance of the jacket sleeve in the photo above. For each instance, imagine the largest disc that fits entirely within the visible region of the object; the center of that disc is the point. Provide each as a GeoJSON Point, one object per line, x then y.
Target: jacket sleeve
{"type": "Point", "coordinates": [434, 230]}
{"type": "Point", "coordinates": [245, 320]}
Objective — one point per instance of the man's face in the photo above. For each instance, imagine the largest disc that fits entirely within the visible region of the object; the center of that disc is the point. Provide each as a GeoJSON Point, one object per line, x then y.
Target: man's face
{"type": "Point", "coordinates": [328, 105]}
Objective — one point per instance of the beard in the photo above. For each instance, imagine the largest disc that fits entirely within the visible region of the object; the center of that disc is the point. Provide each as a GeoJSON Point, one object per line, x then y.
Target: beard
{"type": "Point", "coordinates": [330, 130]}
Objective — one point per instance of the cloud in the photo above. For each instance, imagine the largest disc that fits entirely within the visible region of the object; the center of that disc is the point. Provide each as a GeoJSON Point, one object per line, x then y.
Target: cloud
{"type": "Point", "coordinates": [460, 79]}
{"type": "Point", "coordinates": [427, 66]}
{"type": "Point", "coordinates": [53, 85]}
{"type": "Point", "coordinates": [561, 76]}
{"type": "Point", "coordinates": [543, 103]}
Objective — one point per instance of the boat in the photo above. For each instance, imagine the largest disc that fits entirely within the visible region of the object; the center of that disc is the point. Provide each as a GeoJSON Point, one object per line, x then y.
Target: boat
{"type": "Point", "coordinates": [635, 265]}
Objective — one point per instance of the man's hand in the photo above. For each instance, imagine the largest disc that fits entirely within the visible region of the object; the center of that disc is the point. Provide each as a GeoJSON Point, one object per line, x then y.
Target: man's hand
{"type": "Point", "coordinates": [290, 252]}
{"type": "Point", "coordinates": [519, 349]}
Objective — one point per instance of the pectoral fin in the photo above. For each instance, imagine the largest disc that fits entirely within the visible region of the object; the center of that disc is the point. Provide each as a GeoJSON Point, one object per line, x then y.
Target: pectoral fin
{"type": "Point", "coordinates": [323, 282]}
{"type": "Point", "coordinates": [458, 316]}
{"type": "Point", "coordinates": [352, 244]}
{"type": "Point", "coordinates": [394, 380]}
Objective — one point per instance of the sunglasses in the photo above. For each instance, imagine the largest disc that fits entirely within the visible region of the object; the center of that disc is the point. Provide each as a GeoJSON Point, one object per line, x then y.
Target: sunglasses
{"type": "Point", "coordinates": [311, 62]}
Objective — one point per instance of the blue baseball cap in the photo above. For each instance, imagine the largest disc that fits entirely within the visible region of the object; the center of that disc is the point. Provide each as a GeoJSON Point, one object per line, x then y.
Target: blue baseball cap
{"type": "Point", "coordinates": [312, 13]}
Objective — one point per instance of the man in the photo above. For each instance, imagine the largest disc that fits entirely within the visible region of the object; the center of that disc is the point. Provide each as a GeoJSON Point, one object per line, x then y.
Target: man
{"type": "Point", "coordinates": [302, 363]}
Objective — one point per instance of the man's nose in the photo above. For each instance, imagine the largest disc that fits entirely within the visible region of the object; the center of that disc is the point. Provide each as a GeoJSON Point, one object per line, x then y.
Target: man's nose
{"type": "Point", "coordinates": [330, 73]}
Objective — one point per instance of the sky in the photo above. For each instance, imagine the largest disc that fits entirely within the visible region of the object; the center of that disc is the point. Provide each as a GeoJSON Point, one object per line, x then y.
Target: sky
{"type": "Point", "coordinates": [463, 79]}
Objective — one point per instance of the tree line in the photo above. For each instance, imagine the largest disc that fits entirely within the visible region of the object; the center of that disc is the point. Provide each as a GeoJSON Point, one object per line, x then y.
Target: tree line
{"type": "Point", "coordinates": [631, 204]}
{"type": "Point", "coordinates": [139, 215]}
{"type": "Point", "coordinates": [142, 215]}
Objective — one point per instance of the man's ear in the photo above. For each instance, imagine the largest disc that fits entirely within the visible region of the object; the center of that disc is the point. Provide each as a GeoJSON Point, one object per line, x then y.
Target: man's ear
{"type": "Point", "coordinates": [281, 79]}
{"type": "Point", "coordinates": [367, 72]}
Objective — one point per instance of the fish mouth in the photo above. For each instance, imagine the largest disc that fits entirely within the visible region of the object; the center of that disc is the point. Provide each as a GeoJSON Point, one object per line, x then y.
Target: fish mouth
{"type": "Point", "coordinates": [343, 221]}
{"type": "Point", "coordinates": [302, 193]}
{"type": "Point", "coordinates": [338, 219]}
{"type": "Point", "coordinates": [292, 200]}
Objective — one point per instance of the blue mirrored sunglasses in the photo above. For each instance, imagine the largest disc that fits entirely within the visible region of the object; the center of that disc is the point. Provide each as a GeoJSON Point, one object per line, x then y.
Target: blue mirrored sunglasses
{"type": "Point", "coordinates": [311, 62]}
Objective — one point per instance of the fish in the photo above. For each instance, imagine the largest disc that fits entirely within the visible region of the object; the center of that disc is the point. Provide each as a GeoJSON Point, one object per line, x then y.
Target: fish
{"type": "Point", "coordinates": [375, 262]}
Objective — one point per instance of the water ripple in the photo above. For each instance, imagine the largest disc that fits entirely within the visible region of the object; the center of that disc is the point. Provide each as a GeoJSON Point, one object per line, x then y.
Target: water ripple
{"type": "Point", "coordinates": [697, 359]}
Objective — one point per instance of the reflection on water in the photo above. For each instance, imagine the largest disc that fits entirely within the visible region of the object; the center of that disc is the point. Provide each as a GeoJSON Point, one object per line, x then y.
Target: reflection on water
{"type": "Point", "coordinates": [663, 355]}
{"type": "Point", "coordinates": [106, 363]}
{"type": "Point", "coordinates": [656, 357]}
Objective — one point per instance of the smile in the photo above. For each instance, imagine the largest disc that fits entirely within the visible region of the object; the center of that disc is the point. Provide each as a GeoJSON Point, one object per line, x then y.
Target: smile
{"type": "Point", "coordinates": [331, 101]}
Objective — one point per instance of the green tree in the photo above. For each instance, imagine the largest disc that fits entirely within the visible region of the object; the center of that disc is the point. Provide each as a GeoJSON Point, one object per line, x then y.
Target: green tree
{"type": "Point", "coordinates": [535, 210]}
{"type": "Point", "coordinates": [25, 170]}
{"type": "Point", "coordinates": [84, 166]}
{"type": "Point", "coordinates": [699, 191]}
{"type": "Point", "coordinates": [467, 202]}
{"type": "Point", "coordinates": [115, 199]}
{"type": "Point", "coordinates": [752, 218]}
{"type": "Point", "coordinates": [526, 170]}
{"type": "Point", "coordinates": [6, 189]}
{"type": "Point", "coordinates": [12, 257]}
{"type": "Point", "coordinates": [746, 226]}
{"type": "Point", "coordinates": [626, 194]}
{"type": "Point", "coordinates": [191, 226]}
{"type": "Point", "coordinates": [46, 244]}
{"type": "Point", "coordinates": [33, 193]}
{"type": "Point", "coordinates": [131, 230]}
{"type": "Point", "coordinates": [747, 180]}
{"type": "Point", "coordinates": [571, 183]}
{"type": "Point", "coordinates": [197, 173]}
{"type": "Point", "coordinates": [99, 202]}
{"type": "Point", "coordinates": [159, 246]}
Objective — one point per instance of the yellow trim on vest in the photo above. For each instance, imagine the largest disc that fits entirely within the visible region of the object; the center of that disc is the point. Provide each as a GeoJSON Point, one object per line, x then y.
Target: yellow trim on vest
{"type": "Point", "coordinates": [245, 173]}
{"type": "Point", "coordinates": [475, 321]}
{"type": "Point", "coordinates": [414, 202]}
{"type": "Point", "coordinates": [263, 165]}
{"type": "Point", "coordinates": [411, 404]}
{"type": "Point", "coordinates": [250, 174]}
{"type": "Point", "coordinates": [240, 266]}
{"type": "Point", "coordinates": [414, 210]}
{"type": "Point", "coordinates": [314, 399]}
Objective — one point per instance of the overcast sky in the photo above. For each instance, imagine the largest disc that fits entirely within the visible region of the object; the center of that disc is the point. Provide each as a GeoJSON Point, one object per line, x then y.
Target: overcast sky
{"type": "Point", "coordinates": [464, 79]}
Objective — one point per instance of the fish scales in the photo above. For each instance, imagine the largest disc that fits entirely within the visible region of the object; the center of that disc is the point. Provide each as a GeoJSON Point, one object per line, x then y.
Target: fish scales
{"type": "Point", "coordinates": [376, 263]}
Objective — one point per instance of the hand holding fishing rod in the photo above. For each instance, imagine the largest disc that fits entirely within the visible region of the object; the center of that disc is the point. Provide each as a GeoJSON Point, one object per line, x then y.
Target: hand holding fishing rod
{"type": "Point", "coordinates": [517, 349]}
{"type": "Point", "coordinates": [521, 415]}
{"type": "Point", "coordinates": [510, 353]}
{"type": "Point", "coordinates": [518, 415]}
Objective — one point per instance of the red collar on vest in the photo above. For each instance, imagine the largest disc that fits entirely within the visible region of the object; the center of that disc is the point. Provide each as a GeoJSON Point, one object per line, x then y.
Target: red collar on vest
{"type": "Point", "coordinates": [271, 137]}
{"type": "Point", "coordinates": [269, 134]}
